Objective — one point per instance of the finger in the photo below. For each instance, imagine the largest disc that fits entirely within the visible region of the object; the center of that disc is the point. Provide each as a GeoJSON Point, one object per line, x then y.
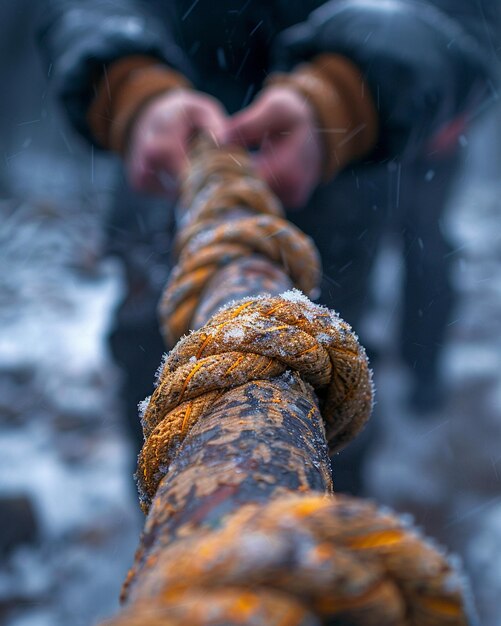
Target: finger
{"type": "Point", "coordinates": [288, 168]}
{"type": "Point", "coordinates": [204, 114]}
{"type": "Point", "coordinates": [144, 179]}
{"type": "Point", "coordinates": [252, 125]}
{"type": "Point", "coordinates": [211, 119]}
{"type": "Point", "coordinates": [157, 166]}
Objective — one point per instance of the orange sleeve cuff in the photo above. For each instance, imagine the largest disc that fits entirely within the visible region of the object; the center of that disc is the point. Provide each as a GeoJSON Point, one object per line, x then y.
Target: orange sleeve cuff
{"type": "Point", "coordinates": [346, 115]}
{"type": "Point", "coordinates": [125, 88]}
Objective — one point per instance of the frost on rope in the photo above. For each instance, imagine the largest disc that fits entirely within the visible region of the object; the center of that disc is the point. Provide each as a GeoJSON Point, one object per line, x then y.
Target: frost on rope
{"type": "Point", "coordinates": [297, 296]}
{"type": "Point", "coordinates": [310, 309]}
{"type": "Point", "coordinates": [143, 405]}
{"type": "Point", "coordinates": [235, 333]}
{"type": "Point", "coordinates": [160, 369]}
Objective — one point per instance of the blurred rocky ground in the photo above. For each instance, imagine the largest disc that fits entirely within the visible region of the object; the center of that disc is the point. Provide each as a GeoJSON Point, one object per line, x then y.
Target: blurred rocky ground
{"type": "Point", "coordinates": [69, 519]}
{"type": "Point", "coordinates": [445, 467]}
{"type": "Point", "coordinates": [68, 514]}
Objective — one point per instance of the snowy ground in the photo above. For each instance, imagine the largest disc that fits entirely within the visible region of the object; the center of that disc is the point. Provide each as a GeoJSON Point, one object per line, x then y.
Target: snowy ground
{"type": "Point", "coordinates": [61, 444]}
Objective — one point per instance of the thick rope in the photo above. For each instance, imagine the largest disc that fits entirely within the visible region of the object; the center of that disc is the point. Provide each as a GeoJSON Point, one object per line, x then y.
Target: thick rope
{"type": "Point", "coordinates": [340, 560]}
{"type": "Point", "coordinates": [219, 607]}
{"type": "Point", "coordinates": [284, 559]}
{"type": "Point", "coordinates": [232, 215]}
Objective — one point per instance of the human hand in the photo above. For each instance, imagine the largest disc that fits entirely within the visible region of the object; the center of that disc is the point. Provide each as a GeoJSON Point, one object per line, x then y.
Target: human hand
{"type": "Point", "coordinates": [282, 124]}
{"type": "Point", "coordinates": [159, 140]}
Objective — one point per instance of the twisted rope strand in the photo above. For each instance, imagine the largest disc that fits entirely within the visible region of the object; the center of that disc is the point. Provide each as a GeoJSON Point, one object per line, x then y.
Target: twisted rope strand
{"type": "Point", "coordinates": [231, 214]}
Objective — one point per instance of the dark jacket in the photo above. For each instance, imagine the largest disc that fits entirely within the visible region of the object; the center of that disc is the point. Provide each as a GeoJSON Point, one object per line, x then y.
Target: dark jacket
{"type": "Point", "coordinates": [428, 63]}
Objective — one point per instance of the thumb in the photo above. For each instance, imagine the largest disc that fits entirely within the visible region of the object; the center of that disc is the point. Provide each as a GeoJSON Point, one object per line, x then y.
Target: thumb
{"type": "Point", "coordinates": [250, 126]}
{"type": "Point", "coordinates": [210, 119]}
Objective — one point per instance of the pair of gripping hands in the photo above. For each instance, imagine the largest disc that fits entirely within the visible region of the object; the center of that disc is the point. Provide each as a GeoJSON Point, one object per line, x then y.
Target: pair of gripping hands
{"type": "Point", "coordinates": [279, 124]}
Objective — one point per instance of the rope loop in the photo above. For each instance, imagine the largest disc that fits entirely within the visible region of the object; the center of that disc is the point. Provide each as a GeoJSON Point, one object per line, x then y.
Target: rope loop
{"type": "Point", "coordinates": [334, 559]}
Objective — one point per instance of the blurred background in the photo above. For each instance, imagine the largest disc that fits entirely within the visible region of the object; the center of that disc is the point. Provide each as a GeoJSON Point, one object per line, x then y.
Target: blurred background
{"type": "Point", "coordinates": [69, 517]}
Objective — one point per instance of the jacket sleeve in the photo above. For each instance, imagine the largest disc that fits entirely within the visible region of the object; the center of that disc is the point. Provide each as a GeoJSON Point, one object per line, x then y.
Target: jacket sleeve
{"type": "Point", "coordinates": [428, 69]}
{"type": "Point", "coordinates": [79, 38]}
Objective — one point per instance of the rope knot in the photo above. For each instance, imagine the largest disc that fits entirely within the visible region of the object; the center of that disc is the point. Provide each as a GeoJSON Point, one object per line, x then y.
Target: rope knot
{"type": "Point", "coordinates": [332, 559]}
{"type": "Point", "coordinates": [256, 339]}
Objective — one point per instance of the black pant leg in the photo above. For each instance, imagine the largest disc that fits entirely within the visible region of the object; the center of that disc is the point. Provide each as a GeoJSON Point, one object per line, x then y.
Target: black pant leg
{"type": "Point", "coordinates": [346, 219]}
{"type": "Point", "coordinates": [428, 295]}
{"type": "Point", "coordinates": [140, 234]}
